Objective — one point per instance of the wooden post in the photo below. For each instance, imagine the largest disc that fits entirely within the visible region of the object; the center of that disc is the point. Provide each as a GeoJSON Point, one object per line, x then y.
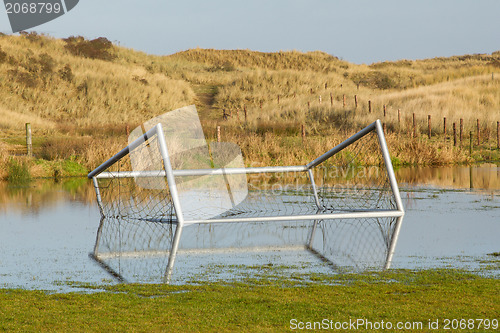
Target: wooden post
{"type": "Point", "coordinates": [343, 98]}
{"type": "Point", "coordinates": [385, 109]}
{"type": "Point", "coordinates": [369, 106]}
{"type": "Point", "coordinates": [356, 101]}
{"type": "Point", "coordinates": [331, 99]}
{"type": "Point", "coordinates": [29, 146]}
{"type": "Point", "coordinates": [461, 129]}
{"type": "Point", "coordinates": [319, 99]}
{"type": "Point", "coordinates": [261, 104]}
{"type": "Point", "coordinates": [429, 127]}
{"type": "Point", "coordinates": [414, 126]}
{"type": "Point", "coordinates": [478, 133]}
{"type": "Point", "coordinates": [326, 85]}
{"type": "Point", "coordinates": [470, 143]}
{"type": "Point", "coordinates": [444, 128]}
{"type": "Point", "coordinates": [303, 132]}
{"type": "Point", "coordinates": [278, 99]}
{"type": "Point", "coordinates": [498, 134]}
{"type": "Point", "coordinates": [218, 133]}
{"type": "Point", "coordinates": [245, 111]}
{"type": "Point", "coordinates": [127, 130]}
{"type": "Point", "coordinates": [454, 135]}
{"type": "Point", "coordinates": [308, 105]}
{"type": "Point", "coordinates": [399, 117]}
{"type": "Point", "coordinates": [312, 91]}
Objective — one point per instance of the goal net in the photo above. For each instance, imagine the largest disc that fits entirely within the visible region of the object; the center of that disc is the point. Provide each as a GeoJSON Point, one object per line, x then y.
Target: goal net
{"type": "Point", "coordinates": [170, 193]}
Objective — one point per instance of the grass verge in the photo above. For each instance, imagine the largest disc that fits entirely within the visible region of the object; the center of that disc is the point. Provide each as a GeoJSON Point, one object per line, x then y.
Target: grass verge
{"type": "Point", "coordinates": [266, 305]}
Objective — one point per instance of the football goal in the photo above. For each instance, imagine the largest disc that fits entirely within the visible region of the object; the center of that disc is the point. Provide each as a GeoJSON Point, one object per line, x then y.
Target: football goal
{"type": "Point", "coordinates": [169, 192]}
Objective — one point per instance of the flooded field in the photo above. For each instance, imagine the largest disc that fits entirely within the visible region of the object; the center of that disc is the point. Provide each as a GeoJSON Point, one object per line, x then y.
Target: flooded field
{"type": "Point", "coordinates": [49, 228]}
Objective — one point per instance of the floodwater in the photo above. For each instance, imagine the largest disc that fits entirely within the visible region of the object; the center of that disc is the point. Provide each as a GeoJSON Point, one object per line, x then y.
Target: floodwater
{"type": "Point", "coordinates": [48, 229]}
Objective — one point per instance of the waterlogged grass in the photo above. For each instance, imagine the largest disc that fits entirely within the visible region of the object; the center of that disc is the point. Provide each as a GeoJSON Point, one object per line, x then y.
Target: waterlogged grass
{"type": "Point", "coordinates": [261, 305]}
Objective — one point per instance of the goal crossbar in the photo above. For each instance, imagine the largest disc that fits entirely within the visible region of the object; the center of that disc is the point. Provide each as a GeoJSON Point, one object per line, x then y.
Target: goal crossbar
{"type": "Point", "coordinates": [180, 220]}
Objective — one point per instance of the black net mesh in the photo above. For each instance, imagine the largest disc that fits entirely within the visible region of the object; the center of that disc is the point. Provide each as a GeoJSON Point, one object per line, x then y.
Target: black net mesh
{"type": "Point", "coordinates": [138, 217]}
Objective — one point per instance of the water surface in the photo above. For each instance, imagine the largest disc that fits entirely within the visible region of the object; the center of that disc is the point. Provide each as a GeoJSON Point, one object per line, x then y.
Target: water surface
{"type": "Point", "coordinates": [47, 231]}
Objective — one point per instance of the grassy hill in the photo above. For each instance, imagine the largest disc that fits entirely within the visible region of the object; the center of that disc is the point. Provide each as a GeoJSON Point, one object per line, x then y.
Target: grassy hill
{"type": "Point", "coordinates": [81, 95]}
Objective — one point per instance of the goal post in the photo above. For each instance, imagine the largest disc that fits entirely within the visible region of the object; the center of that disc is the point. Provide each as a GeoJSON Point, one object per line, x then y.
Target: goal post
{"type": "Point", "coordinates": [169, 178]}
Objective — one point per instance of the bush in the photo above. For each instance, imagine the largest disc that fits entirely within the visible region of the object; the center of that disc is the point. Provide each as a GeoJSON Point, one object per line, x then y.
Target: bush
{"type": "Point", "coordinates": [66, 73]}
{"type": "Point", "coordinates": [18, 173]}
{"type": "Point", "coordinates": [31, 36]}
{"type": "Point", "coordinates": [99, 48]}
{"type": "Point", "coordinates": [3, 56]}
{"type": "Point", "coordinates": [26, 78]}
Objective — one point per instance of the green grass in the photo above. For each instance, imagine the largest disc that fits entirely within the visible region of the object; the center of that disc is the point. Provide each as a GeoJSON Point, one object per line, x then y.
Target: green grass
{"type": "Point", "coordinates": [18, 173]}
{"type": "Point", "coordinates": [265, 305]}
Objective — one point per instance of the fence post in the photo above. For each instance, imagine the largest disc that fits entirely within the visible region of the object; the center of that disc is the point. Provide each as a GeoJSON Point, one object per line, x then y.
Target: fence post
{"type": "Point", "coordinates": [303, 132]}
{"type": "Point", "coordinates": [498, 134]}
{"type": "Point", "coordinates": [399, 117]}
{"type": "Point", "coordinates": [470, 143]}
{"type": "Point", "coordinates": [29, 146]}
{"type": "Point", "coordinates": [319, 99]}
{"type": "Point", "coordinates": [218, 134]}
{"type": "Point", "coordinates": [454, 135]}
{"type": "Point", "coordinates": [356, 101]}
{"type": "Point", "coordinates": [385, 109]}
{"type": "Point", "coordinates": [278, 99]}
{"type": "Point", "coordinates": [127, 130]}
{"type": "Point", "coordinates": [429, 130]}
{"type": "Point", "coordinates": [461, 130]}
{"type": "Point", "coordinates": [331, 99]}
{"type": "Point", "coordinates": [478, 133]}
{"type": "Point", "coordinates": [414, 126]}
{"type": "Point", "coordinates": [245, 110]}
{"type": "Point", "coordinates": [444, 128]}
{"type": "Point", "coordinates": [369, 106]}
{"type": "Point", "coordinates": [344, 101]}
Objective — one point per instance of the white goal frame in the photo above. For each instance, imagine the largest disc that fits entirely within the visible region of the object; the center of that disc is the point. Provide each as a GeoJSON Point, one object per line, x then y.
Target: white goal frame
{"type": "Point", "coordinates": [169, 173]}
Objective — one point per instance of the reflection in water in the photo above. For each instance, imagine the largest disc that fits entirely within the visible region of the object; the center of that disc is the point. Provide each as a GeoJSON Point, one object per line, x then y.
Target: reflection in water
{"type": "Point", "coordinates": [45, 193]}
{"type": "Point", "coordinates": [42, 194]}
{"type": "Point", "coordinates": [481, 177]}
{"type": "Point", "coordinates": [138, 251]}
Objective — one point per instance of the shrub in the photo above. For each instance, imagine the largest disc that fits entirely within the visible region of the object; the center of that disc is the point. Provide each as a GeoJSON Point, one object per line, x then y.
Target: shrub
{"type": "Point", "coordinates": [18, 173]}
{"type": "Point", "coordinates": [99, 48]}
{"type": "Point", "coordinates": [46, 63]}
{"type": "Point", "coordinates": [66, 73]}
{"type": "Point", "coordinates": [32, 36]}
{"type": "Point", "coordinates": [3, 56]}
{"type": "Point", "coordinates": [26, 78]}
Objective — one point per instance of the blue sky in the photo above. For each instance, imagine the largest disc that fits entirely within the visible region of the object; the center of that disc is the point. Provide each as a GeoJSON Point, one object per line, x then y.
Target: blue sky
{"type": "Point", "coordinates": [359, 31]}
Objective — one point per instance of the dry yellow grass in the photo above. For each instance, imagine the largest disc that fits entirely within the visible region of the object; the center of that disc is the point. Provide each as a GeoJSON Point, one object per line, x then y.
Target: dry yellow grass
{"type": "Point", "coordinates": [79, 107]}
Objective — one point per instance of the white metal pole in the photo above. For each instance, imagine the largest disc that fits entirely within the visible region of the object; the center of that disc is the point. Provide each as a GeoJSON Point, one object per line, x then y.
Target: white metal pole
{"type": "Point", "coordinates": [388, 165]}
{"type": "Point", "coordinates": [175, 200]}
{"type": "Point", "coordinates": [394, 240]}
{"type": "Point", "coordinates": [98, 195]}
